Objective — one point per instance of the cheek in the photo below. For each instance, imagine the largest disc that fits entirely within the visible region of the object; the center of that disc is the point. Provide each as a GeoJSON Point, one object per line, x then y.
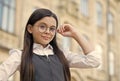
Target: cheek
{"type": "Point", "coordinates": [53, 36]}
{"type": "Point", "coordinates": [36, 36]}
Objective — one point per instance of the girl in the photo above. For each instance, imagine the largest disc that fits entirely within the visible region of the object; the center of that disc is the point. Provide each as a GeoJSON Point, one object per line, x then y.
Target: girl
{"type": "Point", "coordinates": [41, 59]}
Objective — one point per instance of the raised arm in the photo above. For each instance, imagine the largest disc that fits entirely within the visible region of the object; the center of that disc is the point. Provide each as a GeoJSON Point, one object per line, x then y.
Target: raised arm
{"type": "Point", "coordinates": [90, 58]}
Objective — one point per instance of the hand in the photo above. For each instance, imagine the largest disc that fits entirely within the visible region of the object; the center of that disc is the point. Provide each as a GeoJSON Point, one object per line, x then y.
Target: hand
{"type": "Point", "coordinates": [66, 30]}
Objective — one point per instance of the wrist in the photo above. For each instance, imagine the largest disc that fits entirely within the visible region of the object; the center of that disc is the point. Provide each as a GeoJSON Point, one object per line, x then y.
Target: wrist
{"type": "Point", "coordinates": [75, 34]}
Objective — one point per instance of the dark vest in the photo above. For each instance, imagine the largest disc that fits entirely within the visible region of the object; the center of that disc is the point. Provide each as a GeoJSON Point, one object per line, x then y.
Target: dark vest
{"type": "Point", "coordinates": [48, 68]}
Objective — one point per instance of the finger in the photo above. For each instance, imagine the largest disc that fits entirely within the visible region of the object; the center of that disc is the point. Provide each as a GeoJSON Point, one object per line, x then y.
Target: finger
{"type": "Point", "coordinates": [60, 29]}
{"type": "Point", "coordinates": [63, 28]}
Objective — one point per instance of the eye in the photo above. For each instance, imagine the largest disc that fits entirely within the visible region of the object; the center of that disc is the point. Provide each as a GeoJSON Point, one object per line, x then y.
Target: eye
{"type": "Point", "coordinates": [42, 27]}
{"type": "Point", "coordinates": [52, 29]}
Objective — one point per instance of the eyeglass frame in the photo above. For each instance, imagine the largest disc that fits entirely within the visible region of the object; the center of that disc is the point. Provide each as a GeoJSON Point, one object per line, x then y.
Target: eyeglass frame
{"type": "Point", "coordinates": [46, 28]}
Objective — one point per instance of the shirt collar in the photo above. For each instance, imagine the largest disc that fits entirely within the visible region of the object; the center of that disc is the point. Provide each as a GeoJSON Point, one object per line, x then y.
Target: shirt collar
{"type": "Point", "coordinates": [36, 45]}
{"type": "Point", "coordinates": [40, 50]}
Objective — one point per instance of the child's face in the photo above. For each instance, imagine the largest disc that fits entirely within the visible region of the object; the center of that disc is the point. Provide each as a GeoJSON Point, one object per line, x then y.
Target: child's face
{"type": "Point", "coordinates": [44, 30]}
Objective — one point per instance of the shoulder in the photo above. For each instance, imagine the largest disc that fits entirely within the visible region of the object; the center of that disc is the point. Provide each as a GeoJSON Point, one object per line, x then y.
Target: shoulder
{"type": "Point", "coordinates": [15, 52]}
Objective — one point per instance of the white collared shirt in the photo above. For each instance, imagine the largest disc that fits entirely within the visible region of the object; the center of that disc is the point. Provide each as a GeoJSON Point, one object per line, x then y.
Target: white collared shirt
{"type": "Point", "coordinates": [11, 65]}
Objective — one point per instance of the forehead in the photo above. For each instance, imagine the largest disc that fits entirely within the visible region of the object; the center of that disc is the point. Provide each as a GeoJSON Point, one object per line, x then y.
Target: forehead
{"type": "Point", "coordinates": [47, 20]}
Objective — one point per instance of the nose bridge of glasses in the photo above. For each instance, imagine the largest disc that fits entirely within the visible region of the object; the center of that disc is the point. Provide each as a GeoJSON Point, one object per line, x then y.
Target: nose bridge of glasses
{"type": "Point", "coordinates": [47, 29]}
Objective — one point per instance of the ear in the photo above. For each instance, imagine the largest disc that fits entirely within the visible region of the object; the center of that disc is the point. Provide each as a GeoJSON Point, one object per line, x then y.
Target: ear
{"type": "Point", "coordinates": [29, 28]}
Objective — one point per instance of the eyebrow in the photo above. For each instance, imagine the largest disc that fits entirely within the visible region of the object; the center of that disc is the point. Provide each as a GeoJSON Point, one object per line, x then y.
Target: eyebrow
{"type": "Point", "coordinates": [47, 25]}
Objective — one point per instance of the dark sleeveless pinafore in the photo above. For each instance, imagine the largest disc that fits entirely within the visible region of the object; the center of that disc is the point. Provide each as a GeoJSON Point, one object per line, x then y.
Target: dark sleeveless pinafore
{"type": "Point", "coordinates": [48, 68]}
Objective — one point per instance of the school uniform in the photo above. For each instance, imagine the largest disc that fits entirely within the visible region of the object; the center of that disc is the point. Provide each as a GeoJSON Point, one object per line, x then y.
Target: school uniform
{"type": "Point", "coordinates": [47, 65]}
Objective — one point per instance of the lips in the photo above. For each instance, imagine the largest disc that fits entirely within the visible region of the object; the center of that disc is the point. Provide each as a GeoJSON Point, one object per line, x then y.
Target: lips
{"type": "Point", "coordinates": [45, 37]}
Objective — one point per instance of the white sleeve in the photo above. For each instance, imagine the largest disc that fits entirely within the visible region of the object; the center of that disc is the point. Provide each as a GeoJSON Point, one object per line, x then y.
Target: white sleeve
{"type": "Point", "coordinates": [91, 60]}
{"type": "Point", "coordinates": [8, 67]}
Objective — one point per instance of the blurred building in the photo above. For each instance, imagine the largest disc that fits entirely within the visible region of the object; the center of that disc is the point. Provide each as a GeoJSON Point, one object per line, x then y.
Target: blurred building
{"type": "Point", "coordinates": [97, 20]}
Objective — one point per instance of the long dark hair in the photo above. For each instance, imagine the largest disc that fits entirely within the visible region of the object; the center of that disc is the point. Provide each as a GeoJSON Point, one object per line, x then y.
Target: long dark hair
{"type": "Point", "coordinates": [27, 68]}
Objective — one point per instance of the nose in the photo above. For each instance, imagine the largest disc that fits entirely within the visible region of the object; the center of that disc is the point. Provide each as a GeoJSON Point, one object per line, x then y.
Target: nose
{"type": "Point", "coordinates": [47, 30]}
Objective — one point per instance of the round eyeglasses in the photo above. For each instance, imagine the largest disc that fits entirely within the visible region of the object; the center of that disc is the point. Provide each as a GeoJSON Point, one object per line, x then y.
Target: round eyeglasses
{"type": "Point", "coordinates": [43, 28]}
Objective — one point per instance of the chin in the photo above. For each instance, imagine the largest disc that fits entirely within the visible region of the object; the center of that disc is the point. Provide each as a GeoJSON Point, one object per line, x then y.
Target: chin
{"type": "Point", "coordinates": [45, 43]}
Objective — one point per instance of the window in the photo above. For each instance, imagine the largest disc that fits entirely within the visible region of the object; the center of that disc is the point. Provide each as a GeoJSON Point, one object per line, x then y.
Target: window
{"type": "Point", "coordinates": [1, 12]}
{"type": "Point", "coordinates": [99, 14]}
{"type": "Point", "coordinates": [5, 18]}
{"type": "Point", "coordinates": [7, 15]}
{"type": "Point", "coordinates": [84, 7]}
{"type": "Point", "coordinates": [110, 24]}
{"type": "Point", "coordinates": [111, 63]}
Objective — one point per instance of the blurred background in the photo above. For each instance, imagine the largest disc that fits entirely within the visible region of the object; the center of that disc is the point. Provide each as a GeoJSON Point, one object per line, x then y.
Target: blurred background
{"type": "Point", "coordinates": [97, 20]}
